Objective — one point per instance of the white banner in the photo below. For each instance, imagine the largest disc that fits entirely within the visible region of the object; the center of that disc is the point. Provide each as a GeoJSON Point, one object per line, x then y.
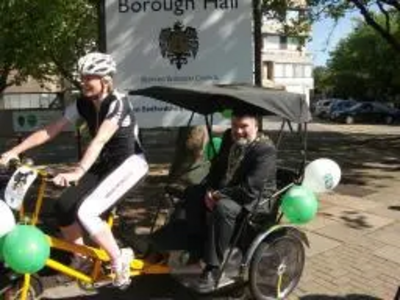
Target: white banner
{"type": "Point", "coordinates": [31, 120]}
{"type": "Point", "coordinates": [161, 42]}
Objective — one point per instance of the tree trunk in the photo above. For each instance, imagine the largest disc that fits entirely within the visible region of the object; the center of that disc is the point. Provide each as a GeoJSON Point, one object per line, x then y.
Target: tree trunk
{"type": "Point", "coordinates": [257, 36]}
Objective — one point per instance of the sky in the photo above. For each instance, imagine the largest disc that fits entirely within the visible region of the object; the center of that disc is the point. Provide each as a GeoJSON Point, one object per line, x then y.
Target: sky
{"type": "Point", "coordinates": [326, 35]}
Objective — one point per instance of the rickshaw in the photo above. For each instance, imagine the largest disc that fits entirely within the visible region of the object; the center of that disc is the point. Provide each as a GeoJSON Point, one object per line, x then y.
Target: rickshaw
{"type": "Point", "coordinates": [265, 258]}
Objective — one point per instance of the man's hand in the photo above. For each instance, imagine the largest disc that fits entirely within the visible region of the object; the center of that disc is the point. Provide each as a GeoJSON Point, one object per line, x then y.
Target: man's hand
{"type": "Point", "coordinates": [7, 156]}
{"type": "Point", "coordinates": [65, 179]}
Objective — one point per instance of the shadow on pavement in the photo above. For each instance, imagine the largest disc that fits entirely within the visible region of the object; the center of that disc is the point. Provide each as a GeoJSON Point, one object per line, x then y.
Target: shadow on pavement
{"type": "Point", "coordinates": [394, 207]}
{"type": "Point", "coordinates": [347, 297]}
{"type": "Point", "coordinates": [148, 287]}
{"type": "Point", "coordinates": [161, 287]}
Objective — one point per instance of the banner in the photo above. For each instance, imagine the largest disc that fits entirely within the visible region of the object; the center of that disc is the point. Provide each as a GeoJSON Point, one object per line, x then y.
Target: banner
{"type": "Point", "coordinates": [163, 42]}
{"type": "Point", "coordinates": [32, 120]}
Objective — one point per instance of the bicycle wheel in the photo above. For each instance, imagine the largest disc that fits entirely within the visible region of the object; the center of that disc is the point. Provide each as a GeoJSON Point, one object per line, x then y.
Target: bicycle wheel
{"type": "Point", "coordinates": [276, 268]}
{"type": "Point", "coordinates": [15, 290]}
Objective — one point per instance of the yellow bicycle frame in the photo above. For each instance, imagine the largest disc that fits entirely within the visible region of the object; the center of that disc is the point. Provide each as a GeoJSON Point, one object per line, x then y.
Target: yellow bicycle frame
{"type": "Point", "coordinates": [98, 255]}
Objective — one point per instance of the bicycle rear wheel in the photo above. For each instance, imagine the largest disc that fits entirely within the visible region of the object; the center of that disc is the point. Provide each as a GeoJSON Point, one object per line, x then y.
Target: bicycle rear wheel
{"type": "Point", "coordinates": [276, 268]}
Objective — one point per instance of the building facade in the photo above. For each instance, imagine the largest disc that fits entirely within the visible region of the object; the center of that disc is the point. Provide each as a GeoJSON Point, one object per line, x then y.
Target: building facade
{"type": "Point", "coordinates": [286, 61]}
{"type": "Point", "coordinates": [31, 95]}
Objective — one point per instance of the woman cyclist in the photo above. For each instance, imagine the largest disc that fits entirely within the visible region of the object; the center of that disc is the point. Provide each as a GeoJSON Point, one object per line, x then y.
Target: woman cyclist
{"type": "Point", "coordinates": [112, 164]}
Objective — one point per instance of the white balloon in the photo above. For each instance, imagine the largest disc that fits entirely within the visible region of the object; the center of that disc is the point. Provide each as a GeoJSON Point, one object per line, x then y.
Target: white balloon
{"type": "Point", "coordinates": [322, 175]}
{"type": "Point", "coordinates": [7, 220]}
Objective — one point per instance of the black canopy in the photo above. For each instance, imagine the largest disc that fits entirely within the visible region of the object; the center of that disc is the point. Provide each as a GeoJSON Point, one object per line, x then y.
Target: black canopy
{"type": "Point", "coordinates": [208, 99]}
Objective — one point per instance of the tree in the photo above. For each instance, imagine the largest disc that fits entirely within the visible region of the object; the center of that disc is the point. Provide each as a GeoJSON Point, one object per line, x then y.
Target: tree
{"type": "Point", "coordinates": [359, 66]}
{"type": "Point", "coordinates": [44, 38]}
{"type": "Point", "coordinates": [313, 10]}
{"type": "Point", "coordinates": [322, 81]}
{"type": "Point", "coordinates": [372, 11]}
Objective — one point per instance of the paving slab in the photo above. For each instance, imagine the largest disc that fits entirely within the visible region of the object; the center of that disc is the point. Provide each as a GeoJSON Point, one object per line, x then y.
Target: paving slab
{"type": "Point", "coordinates": [388, 210]}
{"type": "Point", "coordinates": [389, 235]}
{"type": "Point", "coordinates": [319, 222]}
{"type": "Point", "coordinates": [350, 269]}
{"type": "Point", "coordinates": [357, 203]}
{"type": "Point", "coordinates": [340, 232]}
{"type": "Point", "coordinates": [355, 218]}
{"type": "Point", "coordinates": [389, 252]}
{"type": "Point", "coordinates": [319, 244]}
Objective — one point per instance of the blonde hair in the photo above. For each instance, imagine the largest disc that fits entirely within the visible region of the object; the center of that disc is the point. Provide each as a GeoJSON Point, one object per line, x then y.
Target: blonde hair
{"type": "Point", "coordinates": [108, 80]}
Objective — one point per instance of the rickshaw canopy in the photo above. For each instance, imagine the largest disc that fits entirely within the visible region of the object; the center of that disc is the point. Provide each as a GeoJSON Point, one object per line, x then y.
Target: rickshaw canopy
{"type": "Point", "coordinates": [209, 99]}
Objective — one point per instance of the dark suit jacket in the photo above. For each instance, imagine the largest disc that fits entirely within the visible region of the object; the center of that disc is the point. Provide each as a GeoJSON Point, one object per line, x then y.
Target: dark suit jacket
{"type": "Point", "coordinates": [255, 176]}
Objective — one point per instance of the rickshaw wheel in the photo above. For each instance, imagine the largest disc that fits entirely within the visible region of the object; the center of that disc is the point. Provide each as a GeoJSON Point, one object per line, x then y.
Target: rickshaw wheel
{"type": "Point", "coordinates": [14, 292]}
{"type": "Point", "coordinates": [283, 255]}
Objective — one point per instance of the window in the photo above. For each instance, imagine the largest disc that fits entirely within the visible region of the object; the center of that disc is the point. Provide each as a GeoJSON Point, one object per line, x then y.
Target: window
{"type": "Point", "coordinates": [292, 16]}
{"type": "Point", "coordinates": [29, 100]}
{"type": "Point", "coordinates": [270, 42]}
{"type": "Point", "coordinates": [298, 71]}
{"type": "Point", "coordinates": [289, 70]}
{"type": "Point", "coordinates": [283, 42]}
{"type": "Point", "coordinates": [307, 71]}
{"type": "Point", "coordinates": [279, 70]}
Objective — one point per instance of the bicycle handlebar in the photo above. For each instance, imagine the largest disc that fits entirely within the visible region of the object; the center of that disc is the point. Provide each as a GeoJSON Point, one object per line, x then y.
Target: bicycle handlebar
{"type": "Point", "coordinates": [46, 173]}
{"type": "Point", "coordinates": [15, 163]}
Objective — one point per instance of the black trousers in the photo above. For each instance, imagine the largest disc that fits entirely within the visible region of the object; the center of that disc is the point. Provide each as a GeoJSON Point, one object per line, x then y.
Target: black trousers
{"type": "Point", "coordinates": [210, 232]}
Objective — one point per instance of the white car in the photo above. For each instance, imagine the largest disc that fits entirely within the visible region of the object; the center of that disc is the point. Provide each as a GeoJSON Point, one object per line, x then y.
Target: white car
{"type": "Point", "coordinates": [322, 107]}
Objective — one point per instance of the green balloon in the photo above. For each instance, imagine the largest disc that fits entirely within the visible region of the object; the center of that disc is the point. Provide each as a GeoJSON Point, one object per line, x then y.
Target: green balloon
{"type": "Point", "coordinates": [299, 205]}
{"type": "Point", "coordinates": [227, 113]}
{"type": "Point", "coordinates": [26, 249]}
{"type": "Point", "coordinates": [209, 151]}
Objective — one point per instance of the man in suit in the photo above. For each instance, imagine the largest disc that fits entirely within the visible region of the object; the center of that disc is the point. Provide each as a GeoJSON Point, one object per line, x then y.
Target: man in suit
{"type": "Point", "coordinates": [244, 170]}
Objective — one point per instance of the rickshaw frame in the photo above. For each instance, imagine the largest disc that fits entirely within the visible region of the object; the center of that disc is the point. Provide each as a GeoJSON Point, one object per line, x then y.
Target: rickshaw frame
{"type": "Point", "coordinates": [208, 100]}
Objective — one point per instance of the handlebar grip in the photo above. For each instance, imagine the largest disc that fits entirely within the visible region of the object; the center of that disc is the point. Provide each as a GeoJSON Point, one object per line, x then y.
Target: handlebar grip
{"type": "Point", "coordinates": [13, 164]}
{"type": "Point", "coordinates": [49, 176]}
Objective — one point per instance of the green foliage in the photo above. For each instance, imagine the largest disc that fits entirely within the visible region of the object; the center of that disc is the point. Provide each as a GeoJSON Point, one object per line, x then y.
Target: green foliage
{"type": "Point", "coordinates": [364, 65]}
{"type": "Point", "coordinates": [322, 81]}
{"type": "Point", "coordinates": [293, 17]}
{"type": "Point", "coordinates": [313, 10]}
{"type": "Point", "coordinates": [43, 38]}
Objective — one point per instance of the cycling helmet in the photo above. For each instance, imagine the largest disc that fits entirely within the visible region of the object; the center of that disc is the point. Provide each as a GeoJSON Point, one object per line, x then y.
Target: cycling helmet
{"type": "Point", "coordinates": [97, 64]}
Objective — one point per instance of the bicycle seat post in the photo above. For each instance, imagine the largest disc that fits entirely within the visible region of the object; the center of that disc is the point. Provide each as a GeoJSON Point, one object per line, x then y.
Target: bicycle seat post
{"type": "Point", "coordinates": [112, 216]}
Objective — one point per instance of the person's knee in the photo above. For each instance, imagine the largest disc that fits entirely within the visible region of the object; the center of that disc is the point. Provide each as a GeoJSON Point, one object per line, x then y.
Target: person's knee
{"type": "Point", "coordinates": [226, 208]}
{"type": "Point", "coordinates": [90, 221]}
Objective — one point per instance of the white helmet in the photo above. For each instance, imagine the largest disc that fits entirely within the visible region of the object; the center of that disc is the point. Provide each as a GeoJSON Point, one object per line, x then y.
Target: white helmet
{"type": "Point", "coordinates": [97, 63]}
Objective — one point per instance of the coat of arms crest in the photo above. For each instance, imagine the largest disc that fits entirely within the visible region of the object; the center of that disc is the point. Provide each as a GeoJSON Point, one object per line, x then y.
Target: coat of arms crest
{"type": "Point", "coordinates": [178, 44]}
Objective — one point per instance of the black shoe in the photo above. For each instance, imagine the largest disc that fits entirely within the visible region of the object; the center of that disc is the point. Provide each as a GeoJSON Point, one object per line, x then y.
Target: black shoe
{"type": "Point", "coordinates": [208, 281]}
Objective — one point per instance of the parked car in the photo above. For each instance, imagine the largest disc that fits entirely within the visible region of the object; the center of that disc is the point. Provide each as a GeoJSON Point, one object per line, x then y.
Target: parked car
{"type": "Point", "coordinates": [366, 112]}
{"type": "Point", "coordinates": [322, 108]}
{"type": "Point", "coordinates": [340, 105]}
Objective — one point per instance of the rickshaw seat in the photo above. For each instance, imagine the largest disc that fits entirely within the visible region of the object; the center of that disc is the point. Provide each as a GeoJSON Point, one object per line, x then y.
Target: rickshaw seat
{"type": "Point", "coordinates": [263, 216]}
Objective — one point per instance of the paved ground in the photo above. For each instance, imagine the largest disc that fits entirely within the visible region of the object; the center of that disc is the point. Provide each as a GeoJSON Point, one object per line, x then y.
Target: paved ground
{"type": "Point", "coordinates": [355, 244]}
